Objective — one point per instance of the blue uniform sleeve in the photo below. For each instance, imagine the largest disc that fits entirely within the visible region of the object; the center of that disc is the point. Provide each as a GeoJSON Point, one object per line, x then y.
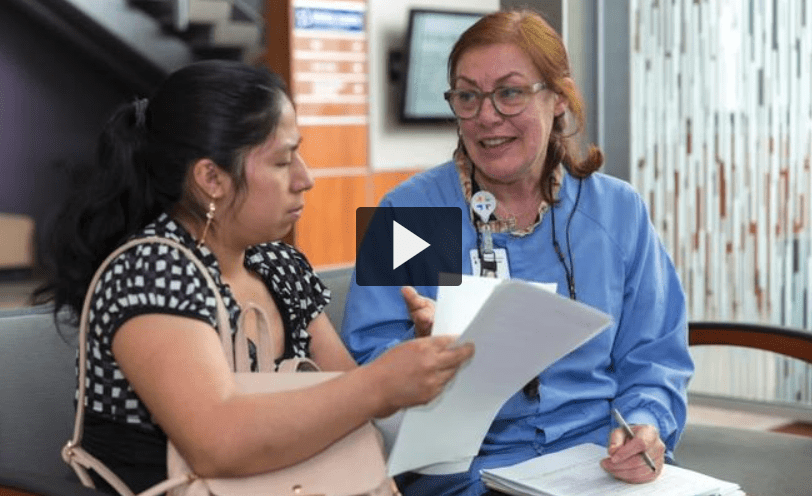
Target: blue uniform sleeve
{"type": "Point", "coordinates": [650, 353]}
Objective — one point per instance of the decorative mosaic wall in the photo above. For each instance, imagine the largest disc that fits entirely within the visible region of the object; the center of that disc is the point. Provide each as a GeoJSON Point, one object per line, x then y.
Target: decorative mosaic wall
{"type": "Point", "coordinates": [721, 139]}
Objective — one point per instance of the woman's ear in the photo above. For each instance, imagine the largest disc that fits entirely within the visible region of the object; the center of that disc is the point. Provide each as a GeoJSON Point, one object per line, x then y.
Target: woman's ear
{"type": "Point", "coordinates": [561, 100]}
{"type": "Point", "coordinates": [209, 178]}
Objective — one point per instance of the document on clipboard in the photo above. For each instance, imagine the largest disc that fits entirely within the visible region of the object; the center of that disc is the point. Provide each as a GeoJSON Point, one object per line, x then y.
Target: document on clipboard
{"type": "Point", "coordinates": [518, 328]}
{"type": "Point", "coordinates": [576, 472]}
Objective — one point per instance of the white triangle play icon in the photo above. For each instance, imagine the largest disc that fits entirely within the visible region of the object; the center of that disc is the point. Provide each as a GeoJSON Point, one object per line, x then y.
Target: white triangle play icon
{"type": "Point", "coordinates": [405, 245]}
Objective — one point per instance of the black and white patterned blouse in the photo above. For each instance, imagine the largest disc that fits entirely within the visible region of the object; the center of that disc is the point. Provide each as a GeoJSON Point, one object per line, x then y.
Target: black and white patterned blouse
{"type": "Point", "coordinates": [156, 278]}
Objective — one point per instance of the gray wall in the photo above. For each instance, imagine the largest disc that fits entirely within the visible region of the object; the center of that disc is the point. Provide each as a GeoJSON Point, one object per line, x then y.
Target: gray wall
{"type": "Point", "coordinates": [53, 102]}
{"type": "Point", "coordinates": [614, 87]}
{"type": "Point", "coordinates": [551, 10]}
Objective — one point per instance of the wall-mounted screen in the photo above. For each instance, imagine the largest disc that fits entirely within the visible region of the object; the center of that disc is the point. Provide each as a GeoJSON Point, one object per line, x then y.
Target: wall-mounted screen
{"type": "Point", "coordinates": [429, 39]}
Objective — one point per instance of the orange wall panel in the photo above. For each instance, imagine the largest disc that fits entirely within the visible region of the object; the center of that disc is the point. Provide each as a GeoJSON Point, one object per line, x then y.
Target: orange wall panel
{"type": "Point", "coordinates": [334, 146]}
{"type": "Point", "coordinates": [326, 231]}
{"type": "Point", "coordinates": [330, 45]}
{"type": "Point", "coordinates": [329, 84]}
{"type": "Point", "coordinates": [332, 109]}
{"type": "Point", "coordinates": [384, 181]}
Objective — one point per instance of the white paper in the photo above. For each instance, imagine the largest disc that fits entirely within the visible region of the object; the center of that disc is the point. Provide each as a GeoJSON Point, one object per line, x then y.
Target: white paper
{"type": "Point", "coordinates": [576, 472]}
{"type": "Point", "coordinates": [518, 330]}
{"type": "Point", "coordinates": [457, 306]}
{"type": "Point", "coordinates": [389, 427]}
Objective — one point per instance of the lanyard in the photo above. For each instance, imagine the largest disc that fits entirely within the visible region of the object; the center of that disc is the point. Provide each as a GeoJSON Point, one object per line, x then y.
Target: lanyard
{"type": "Point", "coordinates": [483, 204]}
{"type": "Point", "coordinates": [569, 270]}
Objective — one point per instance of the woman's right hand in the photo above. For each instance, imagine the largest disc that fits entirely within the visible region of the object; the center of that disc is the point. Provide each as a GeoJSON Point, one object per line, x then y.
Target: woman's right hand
{"type": "Point", "coordinates": [416, 371]}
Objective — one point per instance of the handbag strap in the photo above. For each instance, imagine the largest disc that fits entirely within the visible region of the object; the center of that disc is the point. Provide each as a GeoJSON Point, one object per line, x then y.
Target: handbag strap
{"type": "Point", "coordinates": [73, 453]}
{"type": "Point", "coordinates": [264, 346]}
{"type": "Point", "coordinates": [236, 354]}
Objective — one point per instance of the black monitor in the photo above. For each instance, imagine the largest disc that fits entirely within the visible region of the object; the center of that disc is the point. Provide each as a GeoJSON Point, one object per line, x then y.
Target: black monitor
{"type": "Point", "coordinates": [429, 39]}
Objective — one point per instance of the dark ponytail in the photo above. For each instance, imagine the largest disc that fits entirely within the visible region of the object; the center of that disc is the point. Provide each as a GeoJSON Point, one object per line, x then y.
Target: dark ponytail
{"type": "Point", "coordinates": [212, 109]}
{"type": "Point", "coordinates": [105, 202]}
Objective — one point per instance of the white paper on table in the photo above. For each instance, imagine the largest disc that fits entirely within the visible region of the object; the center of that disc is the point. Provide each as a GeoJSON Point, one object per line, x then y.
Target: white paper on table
{"type": "Point", "coordinates": [518, 330]}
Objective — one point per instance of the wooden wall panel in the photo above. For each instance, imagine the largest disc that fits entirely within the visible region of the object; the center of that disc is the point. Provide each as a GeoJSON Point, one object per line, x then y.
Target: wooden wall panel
{"type": "Point", "coordinates": [278, 43]}
{"type": "Point", "coordinates": [328, 57]}
{"type": "Point", "coordinates": [332, 109]}
{"type": "Point", "coordinates": [383, 181]}
{"type": "Point", "coordinates": [323, 54]}
{"type": "Point", "coordinates": [326, 231]}
{"type": "Point", "coordinates": [334, 146]}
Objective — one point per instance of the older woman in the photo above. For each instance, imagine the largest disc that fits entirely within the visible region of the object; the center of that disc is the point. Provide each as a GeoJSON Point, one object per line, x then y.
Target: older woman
{"type": "Point", "coordinates": [556, 220]}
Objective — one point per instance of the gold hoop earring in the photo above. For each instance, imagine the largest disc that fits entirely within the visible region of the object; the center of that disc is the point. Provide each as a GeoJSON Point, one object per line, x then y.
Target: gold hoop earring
{"type": "Point", "coordinates": [209, 218]}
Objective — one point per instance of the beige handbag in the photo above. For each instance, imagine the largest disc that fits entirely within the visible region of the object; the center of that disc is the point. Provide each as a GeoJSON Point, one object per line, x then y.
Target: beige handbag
{"type": "Point", "coordinates": [352, 466]}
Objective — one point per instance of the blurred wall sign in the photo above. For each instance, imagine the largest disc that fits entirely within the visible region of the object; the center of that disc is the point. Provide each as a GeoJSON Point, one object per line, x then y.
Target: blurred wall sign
{"type": "Point", "coordinates": [330, 62]}
{"type": "Point", "coordinates": [329, 19]}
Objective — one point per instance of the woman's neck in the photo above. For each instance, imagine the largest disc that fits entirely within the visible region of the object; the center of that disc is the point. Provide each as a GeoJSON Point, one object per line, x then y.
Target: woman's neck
{"type": "Point", "coordinates": [230, 258]}
{"type": "Point", "coordinates": [519, 201]}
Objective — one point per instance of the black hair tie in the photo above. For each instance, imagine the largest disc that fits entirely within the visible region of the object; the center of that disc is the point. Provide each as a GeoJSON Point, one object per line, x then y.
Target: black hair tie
{"type": "Point", "coordinates": [140, 106]}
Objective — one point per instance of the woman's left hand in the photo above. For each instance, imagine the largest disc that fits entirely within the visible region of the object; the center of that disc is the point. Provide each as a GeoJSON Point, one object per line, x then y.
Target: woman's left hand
{"type": "Point", "coordinates": [625, 460]}
{"type": "Point", "coordinates": [421, 311]}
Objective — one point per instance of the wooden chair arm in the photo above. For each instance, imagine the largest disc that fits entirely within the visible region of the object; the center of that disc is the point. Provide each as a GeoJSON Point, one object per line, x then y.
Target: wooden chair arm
{"type": "Point", "coordinates": [786, 341]}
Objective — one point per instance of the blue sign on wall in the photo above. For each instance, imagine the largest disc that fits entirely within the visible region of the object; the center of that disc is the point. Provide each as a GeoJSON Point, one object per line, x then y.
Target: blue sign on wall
{"type": "Point", "coordinates": [329, 19]}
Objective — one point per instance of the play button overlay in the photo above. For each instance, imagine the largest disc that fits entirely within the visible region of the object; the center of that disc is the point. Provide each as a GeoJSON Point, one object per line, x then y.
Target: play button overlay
{"type": "Point", "coordinates": [405, 245]}
{"type": "Point", "coordinates": [399, 246]}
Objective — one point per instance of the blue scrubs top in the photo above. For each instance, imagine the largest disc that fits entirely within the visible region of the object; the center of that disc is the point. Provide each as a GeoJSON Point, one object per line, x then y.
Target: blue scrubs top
{"type": "Point", "coordinates": [639, 365]}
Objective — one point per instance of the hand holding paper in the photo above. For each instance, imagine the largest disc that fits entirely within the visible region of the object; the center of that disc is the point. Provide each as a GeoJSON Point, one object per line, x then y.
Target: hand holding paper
{"type": "Point", "coordinates": [416, 371]}
{"type": "Point", "coordinates": [518, 329]}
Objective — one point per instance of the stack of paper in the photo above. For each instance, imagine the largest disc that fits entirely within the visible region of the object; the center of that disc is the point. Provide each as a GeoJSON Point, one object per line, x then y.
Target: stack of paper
{"type": "Point", "coordinates": [518, 329]}
{"type": "Point", "coordinates": [576, 472]}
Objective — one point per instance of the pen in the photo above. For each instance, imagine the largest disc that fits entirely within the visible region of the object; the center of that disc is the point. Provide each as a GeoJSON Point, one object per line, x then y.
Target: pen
{"type": "Point", "coordinates": [630, 434]}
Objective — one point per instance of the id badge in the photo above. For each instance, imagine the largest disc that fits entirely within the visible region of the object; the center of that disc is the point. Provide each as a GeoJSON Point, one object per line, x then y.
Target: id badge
{"type": "Point", "coordinates": [502, 266]}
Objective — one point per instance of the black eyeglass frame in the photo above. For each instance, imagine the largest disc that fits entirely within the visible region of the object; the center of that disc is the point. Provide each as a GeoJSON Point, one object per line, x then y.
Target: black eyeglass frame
{"type": "Point", "coordinates": [532, 89]}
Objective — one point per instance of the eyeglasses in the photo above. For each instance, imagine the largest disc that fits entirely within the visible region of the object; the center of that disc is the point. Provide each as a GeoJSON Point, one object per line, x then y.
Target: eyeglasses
{"type": "Point", "coordinates": [507, 100]}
